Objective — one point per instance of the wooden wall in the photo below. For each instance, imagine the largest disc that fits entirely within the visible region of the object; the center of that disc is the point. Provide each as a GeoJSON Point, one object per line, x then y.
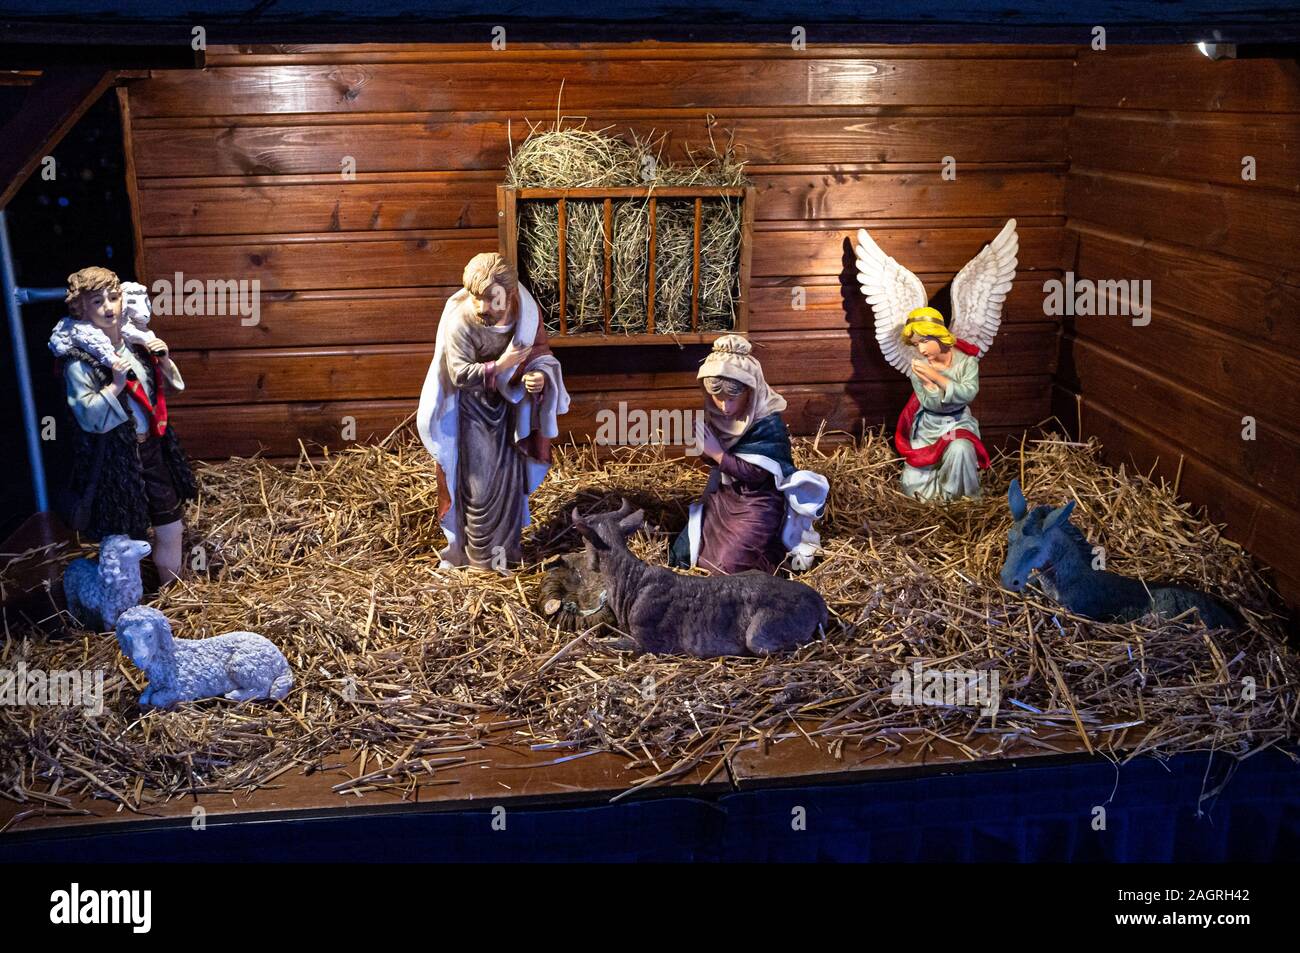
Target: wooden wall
{"type": "Point", "coordinates": [236, 171]}
{"type": "Point", "coordinates": [1155, 191]}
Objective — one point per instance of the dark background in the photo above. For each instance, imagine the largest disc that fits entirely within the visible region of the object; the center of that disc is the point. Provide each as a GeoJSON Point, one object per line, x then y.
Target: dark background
{"type": "Point", "coordinates": [81, 218]}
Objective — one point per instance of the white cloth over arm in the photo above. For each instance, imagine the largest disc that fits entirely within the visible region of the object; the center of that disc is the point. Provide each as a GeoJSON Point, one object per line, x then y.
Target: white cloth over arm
{"type": "Point", "coordinates": [805, 495]}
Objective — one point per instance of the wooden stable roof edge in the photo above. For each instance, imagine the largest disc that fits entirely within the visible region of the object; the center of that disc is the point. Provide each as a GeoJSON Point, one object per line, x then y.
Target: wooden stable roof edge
{"type": "Point", "coordinates": [875, 25]}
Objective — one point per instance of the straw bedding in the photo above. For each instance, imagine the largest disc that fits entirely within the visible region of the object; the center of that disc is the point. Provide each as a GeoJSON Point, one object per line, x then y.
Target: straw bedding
{"type": "Point", "coordinates": [335, 562]}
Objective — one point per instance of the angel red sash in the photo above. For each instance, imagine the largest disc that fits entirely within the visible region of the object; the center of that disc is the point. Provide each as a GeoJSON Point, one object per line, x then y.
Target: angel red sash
{"type": "Point", "coordinates": [921, 457]}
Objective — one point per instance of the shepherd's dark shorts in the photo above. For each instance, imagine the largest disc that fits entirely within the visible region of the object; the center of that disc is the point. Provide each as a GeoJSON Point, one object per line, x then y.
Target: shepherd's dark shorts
{"type": "Point", "coordinates": [165, 505]}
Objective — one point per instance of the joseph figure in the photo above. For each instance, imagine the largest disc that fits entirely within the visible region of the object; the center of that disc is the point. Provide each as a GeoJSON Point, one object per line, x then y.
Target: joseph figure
{"type": "Point", "coordinates": [488, 413]}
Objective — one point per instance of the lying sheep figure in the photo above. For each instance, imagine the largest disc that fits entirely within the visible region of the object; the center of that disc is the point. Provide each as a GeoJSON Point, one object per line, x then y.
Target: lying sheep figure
{"type": "Point", "coordinates": [97, 593]}
{"type": "Point", "coordinates": [750, 613]}
{"type": "Point", "coordinates": [238, 665]}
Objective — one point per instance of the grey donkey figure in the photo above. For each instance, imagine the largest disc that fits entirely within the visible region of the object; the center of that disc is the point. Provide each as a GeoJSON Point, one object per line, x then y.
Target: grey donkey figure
{"type": "Point", "coordinates": [661, 611]}
{"type": "Point", "coordinates": [1043, 540]}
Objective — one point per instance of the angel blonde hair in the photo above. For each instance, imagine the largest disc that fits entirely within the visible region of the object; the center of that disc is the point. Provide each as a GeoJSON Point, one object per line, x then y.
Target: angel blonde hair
{"type": "Point", "coordinates": [927, 323]}
{"type": "Point", "coordinates": [86, 281]}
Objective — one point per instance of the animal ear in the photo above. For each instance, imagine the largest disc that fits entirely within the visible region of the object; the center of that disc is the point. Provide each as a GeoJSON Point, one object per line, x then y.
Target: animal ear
{"type": "Point", "coordinates": [586, 531]}
{"type": "Point", "coordinates": [631, 523]}
{"type": "Point", "coordinates": [624, 508]}
{"type": "Point", "coordinates": [1059, 515]}
{"type": "Point", "coordinates": [1016, 500]}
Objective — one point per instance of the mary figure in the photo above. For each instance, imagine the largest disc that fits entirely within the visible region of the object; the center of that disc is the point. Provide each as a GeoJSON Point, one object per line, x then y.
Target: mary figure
{"type": "Point", "coordinates": [758, 508]}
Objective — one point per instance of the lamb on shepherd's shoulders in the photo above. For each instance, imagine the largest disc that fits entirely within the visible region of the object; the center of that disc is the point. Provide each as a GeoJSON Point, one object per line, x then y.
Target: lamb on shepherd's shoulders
{"type": "Point", "coordinates": [239, 666]}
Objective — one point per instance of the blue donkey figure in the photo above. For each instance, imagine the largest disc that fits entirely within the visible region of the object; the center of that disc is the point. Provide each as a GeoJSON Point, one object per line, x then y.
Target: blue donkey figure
{"type": "Point", "coordinates": [1044, 540]}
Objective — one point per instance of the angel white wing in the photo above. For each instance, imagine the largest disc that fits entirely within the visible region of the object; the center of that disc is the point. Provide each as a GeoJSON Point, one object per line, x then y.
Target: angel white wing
{"type": "Point", "coordinates": [980, 289]}
{"type": "Point", "coordinates": [893, 292]}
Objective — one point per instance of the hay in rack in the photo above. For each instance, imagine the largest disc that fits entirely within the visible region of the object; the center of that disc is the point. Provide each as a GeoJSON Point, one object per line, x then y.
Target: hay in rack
{"type": "Point", "coordinates": [575, 157]}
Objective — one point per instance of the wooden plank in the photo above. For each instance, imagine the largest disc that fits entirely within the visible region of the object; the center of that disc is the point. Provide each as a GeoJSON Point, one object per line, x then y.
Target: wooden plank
{"type": "Point", "coordinates": [424, 259]}
{"type": "Point", "coordinates": [214, 432]}
{"type": "Point", "coordinates": [563, 262]}
{"type": "Point", "coordinates": [253, 145]}
{"type": "Point", "coordinates": [508, 225]}
{"type": "Point", "coordinates": [1273, 543]}
{"type": "Point", "coordinates": [19, 77]}
{"type": "Point", "coordinates": [392, 201]}
{"type": "Point", "coordinates": [748, 213]}
{"type": "Point", "coordinates": [396, 315]}
{"type": "Point", "coordinates": [1196, 147]}
{"type": "Point", "coordinates": [973, 193]}
{"type": "Point", "coordinates": [317, 319]}
{"type": "Point", "coordinates": [1181, 78]}
{"type": "Point", "coordinates": [421, 259]}
{"type": "Point", "coordinates": [829, 302]}
{"type": "Point", "coordinates": [54, 102]}
{"type": "Point", "coordinates": [695, 264]}
{"type": "Point", "coordinates": [1230, 368]}
{"type": "Point", "coordinates": [650, 271]}
{"type": "Point", "coordinates": [607, 256]}
{"type": "Point", "coordinates": [1238, 298]}
{"type": "Point", "coordinates": [276, 54]}
{"type": "Point", "coordinates": [534, 84]}
{"type": "Point", "coordinates": [444, 201]}
{"type": "Point", "coordinates": [1246, 223]}
{"type": "Point", "coordinates": [1175, 410]}
{"type": "Point", "coordinates": [938, 248]}
{"type": "Point", "coordinates": [398, 370]}
{"type": "Point", "coordinates": [132, 177]}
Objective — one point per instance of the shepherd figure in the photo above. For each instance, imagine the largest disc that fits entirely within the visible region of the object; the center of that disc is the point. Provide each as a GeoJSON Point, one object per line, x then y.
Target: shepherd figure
{"type": "Point", "coordinates": [129, 471]}
{"type": "Point", "coordinates": [488, 413]}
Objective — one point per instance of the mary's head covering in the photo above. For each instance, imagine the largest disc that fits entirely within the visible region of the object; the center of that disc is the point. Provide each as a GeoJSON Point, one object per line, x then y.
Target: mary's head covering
{"type": "Point", "coordinates": [731, 358]}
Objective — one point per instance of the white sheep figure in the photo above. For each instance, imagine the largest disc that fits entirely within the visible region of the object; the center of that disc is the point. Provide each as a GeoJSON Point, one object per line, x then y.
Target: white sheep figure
{"type": "Point", "coordinates": [98, 592]}
{"type": "Point", "coordinates": [238, 665]}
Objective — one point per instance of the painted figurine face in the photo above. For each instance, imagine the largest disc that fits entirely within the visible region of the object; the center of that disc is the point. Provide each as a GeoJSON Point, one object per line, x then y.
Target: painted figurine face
{"type": "Point", "coordinates": [493, 306]}
{"type": "Point", "coordinates": [102, 308]}
{"type": "Point", "coordinates": [729, 397]}
{"type": "Point", "coordinates": [930, 349]}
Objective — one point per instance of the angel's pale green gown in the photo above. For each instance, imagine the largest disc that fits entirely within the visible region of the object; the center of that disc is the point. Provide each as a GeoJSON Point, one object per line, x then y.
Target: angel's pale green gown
{"type": "Point", "coordinates": [957, 474]}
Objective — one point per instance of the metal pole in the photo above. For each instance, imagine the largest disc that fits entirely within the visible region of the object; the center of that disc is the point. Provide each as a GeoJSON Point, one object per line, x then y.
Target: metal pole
{"type": "Point", "coordinates": [13, 296]}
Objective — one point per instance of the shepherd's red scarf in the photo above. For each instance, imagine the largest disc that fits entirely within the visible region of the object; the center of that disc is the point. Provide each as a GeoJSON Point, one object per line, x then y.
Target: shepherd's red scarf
{"type": "Point", "coordinates": [921, 457]}
{"type": "Point", "coordinates": [156, 411]}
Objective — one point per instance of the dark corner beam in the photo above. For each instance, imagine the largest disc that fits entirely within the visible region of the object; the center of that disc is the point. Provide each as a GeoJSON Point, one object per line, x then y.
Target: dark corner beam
{"type": "Point", "coordinates": [54, 102]}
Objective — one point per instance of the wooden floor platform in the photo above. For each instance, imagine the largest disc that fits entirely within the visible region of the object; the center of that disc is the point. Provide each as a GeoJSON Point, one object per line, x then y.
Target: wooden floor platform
{"type": "Point", "coordinates": [506, 772]}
